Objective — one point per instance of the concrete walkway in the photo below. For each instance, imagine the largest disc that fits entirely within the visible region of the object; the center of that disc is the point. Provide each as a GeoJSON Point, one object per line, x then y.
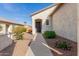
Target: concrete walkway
{"type": "Point", "coordinates": [22, 45]}
{"type": "Point", "coordinates": [21, 48]}
{"type": "Point", "coordinates": [29, 52]}
{"type": "Point", "coordinates": [37, 47]}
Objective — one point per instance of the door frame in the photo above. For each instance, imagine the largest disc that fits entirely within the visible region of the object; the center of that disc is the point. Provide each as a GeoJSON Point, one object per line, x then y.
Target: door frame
{"type": "Point", "coordinates": [37, 21]}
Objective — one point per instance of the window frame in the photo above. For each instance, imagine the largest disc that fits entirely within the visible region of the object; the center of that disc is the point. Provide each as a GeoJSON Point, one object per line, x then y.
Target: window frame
{"type": "Point", "coordinates": [47, 21]}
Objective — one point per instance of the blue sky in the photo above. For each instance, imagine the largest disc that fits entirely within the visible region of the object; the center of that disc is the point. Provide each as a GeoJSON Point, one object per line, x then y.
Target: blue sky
{"type": "Point", "coordinates": [20, 12]}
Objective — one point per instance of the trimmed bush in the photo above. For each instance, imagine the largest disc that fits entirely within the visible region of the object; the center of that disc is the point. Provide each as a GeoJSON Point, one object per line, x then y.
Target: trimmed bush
{"type": "Point", "coordinates": [18, 32]}
{"type": "Point", "coordinates": [49, 34]}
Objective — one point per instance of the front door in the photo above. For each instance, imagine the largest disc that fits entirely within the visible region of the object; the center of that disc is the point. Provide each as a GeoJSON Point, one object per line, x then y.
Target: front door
{"type": "Point", "coordinates": [38, 26]}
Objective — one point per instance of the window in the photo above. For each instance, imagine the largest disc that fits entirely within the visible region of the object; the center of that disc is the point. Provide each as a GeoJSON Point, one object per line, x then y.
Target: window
{"type": "Point", "coordinates": [47, 22]}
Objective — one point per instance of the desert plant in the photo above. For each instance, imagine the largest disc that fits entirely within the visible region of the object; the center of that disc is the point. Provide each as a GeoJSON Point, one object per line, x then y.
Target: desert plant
{"type": "Point", "coordinates": [49, 34]}
{"type": "Point", "coordinates": [18, 32]}
{"type": "Point", "coordinates": [63, 45]}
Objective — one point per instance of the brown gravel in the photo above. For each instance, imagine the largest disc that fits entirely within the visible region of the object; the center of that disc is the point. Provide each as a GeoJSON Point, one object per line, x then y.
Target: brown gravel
{"type": "Point", "coordinates": [72, 52]}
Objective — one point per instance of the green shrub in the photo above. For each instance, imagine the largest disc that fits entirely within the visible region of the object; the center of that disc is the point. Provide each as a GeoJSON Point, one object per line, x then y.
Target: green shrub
{"type": "Point", "coordinates": [18, 32]}
{"type": "Point", "coordinates": [49, 34]}
{"type": "Point", "coordinates": [63, 45]}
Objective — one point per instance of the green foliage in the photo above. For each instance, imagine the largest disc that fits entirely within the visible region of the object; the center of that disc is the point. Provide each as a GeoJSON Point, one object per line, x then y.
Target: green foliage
{"type": "Point", "coordinates": [18, 32]}
{"type": "Point", "coordinates": [49, 34]}
{"type": "Point", "coordinates": [63, 45]}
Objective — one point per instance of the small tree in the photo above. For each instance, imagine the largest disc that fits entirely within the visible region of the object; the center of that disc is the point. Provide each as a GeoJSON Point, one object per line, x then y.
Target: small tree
{"type": "Point", "coordinates": [18, 32]}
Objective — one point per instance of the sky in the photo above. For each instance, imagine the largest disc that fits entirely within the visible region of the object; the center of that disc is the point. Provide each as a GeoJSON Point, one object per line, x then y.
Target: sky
{"type": "Point", "coordinates": [20, 12]}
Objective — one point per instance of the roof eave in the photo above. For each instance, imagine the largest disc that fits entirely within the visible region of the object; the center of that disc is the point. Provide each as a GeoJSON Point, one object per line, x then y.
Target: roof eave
{"type": "Point", "coordinates": [58, 6]}
{"type": "Point", "coordinates": [44, 9]}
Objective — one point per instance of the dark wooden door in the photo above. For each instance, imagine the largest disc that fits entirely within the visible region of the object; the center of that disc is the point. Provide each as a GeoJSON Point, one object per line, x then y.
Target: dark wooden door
{"type": "Point", "coordinates": [38, 26]}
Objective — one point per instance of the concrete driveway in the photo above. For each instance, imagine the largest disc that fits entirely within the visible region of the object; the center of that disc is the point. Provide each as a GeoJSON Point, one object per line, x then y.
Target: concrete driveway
{"type": "Point", "coordinates": [18, 48]}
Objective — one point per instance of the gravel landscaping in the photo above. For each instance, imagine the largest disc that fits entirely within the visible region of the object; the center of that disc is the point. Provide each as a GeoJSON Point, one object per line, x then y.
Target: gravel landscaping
{"type": "Point", "coordinates": [52, 42]}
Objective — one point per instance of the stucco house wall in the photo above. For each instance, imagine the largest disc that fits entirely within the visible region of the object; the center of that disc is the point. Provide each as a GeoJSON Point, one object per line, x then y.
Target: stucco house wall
{"type": "Point", "coordinates": [65, 21]}
{"type": "Point", "coordinates": [43, 16]}
{"type": "Point", "coordinates": [5, 37]}
{"type": "Point", "coordinates": [3, 28]}
{"type": "Point", "coordinates": [78, 27]}
{"type": "Point", "coordinates": [10, 29]}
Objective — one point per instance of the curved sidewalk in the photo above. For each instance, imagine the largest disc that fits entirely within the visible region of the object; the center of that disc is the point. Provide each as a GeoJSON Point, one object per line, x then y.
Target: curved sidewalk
{"type": "Point", "coordinates": [38, 48]}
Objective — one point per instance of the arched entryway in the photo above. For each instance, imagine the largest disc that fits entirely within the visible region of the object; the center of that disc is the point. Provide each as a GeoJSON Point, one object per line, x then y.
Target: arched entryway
{"type": "Point", "coordinates": [38, 25]}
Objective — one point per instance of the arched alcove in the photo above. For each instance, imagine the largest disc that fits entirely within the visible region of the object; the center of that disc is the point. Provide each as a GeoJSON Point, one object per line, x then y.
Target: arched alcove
{"type": "Point", "coordinates": [38, 25]}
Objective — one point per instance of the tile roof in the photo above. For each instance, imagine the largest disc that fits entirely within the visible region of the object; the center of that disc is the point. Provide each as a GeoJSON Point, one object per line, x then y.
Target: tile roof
{"type": "Point", "coordinates": [3, 20]}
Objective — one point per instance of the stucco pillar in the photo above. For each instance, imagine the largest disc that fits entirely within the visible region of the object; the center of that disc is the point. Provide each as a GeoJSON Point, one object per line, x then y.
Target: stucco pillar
{"type": "Point", "coordinates": [7, 26]}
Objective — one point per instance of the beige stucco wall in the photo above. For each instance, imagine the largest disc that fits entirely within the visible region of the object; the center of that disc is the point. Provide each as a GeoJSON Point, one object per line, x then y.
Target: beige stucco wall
{"type": "Point", "coordinates": [78, 27]}
{"type": "Point", "coordinates": [4, 28]}
{"type": "Point", "coordinates": [65, 21]}
{"type": "Point", "coordinates": [5, 37]}
{"type": "Point", "coordinates": [43, 16]}
{"type": "Point", "coordinates": [10, 29]}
